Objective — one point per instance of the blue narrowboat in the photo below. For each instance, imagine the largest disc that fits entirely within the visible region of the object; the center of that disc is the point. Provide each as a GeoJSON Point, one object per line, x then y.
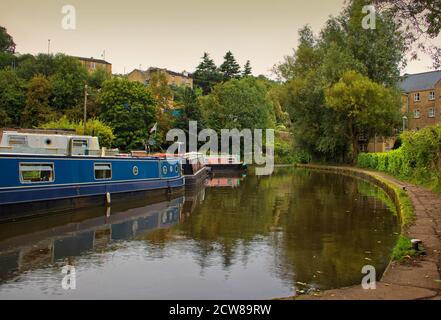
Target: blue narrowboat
{"type": "Point", "coordinates": [45, 169]}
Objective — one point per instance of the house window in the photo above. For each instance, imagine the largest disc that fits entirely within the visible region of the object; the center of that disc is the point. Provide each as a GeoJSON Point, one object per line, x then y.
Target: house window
{"type": "Point", "coordinates": [17, 141]}
{"type": "Point", "coordinates": [416, 97]}
{"type": "Point", "coordinates": [417, 114]}
{"type": "Point", "coordinates": [431, 112]}
{"type": "Point", "coordinates": [432, 95]}
{"type": "Point", "coordinates": [103, 171]}
{"type": "Point", "coordinates": [93, 65]}
{"type": "Point", "coordinates": [37, 172]}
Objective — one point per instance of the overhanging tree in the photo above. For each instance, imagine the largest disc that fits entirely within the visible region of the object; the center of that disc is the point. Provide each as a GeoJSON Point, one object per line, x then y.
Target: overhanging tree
{"type": "Point", "coordinates": [365, 108]}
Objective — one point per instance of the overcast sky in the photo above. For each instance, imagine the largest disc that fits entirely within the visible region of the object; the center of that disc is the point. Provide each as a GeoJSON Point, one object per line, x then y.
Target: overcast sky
{"type": "Point", "coordinates": [170, 33]}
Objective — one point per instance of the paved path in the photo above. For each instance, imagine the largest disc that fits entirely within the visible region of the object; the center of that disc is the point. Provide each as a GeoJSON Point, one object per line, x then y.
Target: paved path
{"type": "Point", "coordinates": [417, 279]}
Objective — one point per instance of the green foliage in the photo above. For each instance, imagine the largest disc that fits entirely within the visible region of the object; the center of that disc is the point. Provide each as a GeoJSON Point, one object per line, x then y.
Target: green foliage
{"type": "Point", "coordinates": [381, 50]}
{"type": "Point", "coordinates": [67, 82]}
{"type": "Point", "coordinates": [238, 104]}
{"type": "Point", "coordinates": [321, 129]}
{"type": "Point", "coordinates": [97, 78]}
{"type": "Point", "coordinates": [94, 127]}
{"type": "Point", "coordinates": [186, 100]}
{"type": "Point", "coordinates": [403, 249]}
{"type": "Point", "coordinates": [37, 110]}
{"type": "Point", "coordinates": [29, 66]}
{"type": "Point", "coordinates": [97, 128]}
{"type": "Point", "coordinates": [230, 68]}
{"type": "Point", "coordinates": [364, 106]}
{"type": "Point", "coordinates": [7, 60]}
{"type": "Point", "coordinates": [247, 70]}
{"type": "Point", "coordinates": [129, 108]}
{"type": "Point", "coordinates": [12, 97]}
{"type": "Point", "coordinates": [418, 159]}
{"type": "Point", "coordinates": [283, 150]}
{"type": "Point", "coordinates": [6, 42]}
{"type": "Point", "coordinates": [161, 90]}
{"type": "Point", "coordinates": [63, 124]}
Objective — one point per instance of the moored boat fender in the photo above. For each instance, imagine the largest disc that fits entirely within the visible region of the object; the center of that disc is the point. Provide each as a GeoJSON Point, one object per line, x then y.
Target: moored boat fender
{"type": "Point", "coordinates": [108, 198]}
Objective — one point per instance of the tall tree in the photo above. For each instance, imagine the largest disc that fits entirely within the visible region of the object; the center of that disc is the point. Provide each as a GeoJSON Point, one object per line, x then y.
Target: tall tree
{"type": "Point", "coordinates": [67, 82]}
{"type": "Point", "coordinates": [230, 68]}
{"type": "Point", "coordinates": [305, 57]}
{"type": "Point", "coordinates": [206, 74]}
{"type": "Point", "coordinates": [37, 110]}
{"type": "Point", "coordinates": [12, 97]}
{"type": "Point", "coordinates": [247, 70]}
{"type": "Point", "coordinates": [130, 109]}
{"type": "Point", "coordinates": [238, 104]}
{"type": "Point", "coordinates": [6, 42]}
{"type": "Point", "coordinates": [161, 90]}
{"type": "Point", "coordinates": [381, 50]}
{"type": "Point", "coordinates": [365, 107]}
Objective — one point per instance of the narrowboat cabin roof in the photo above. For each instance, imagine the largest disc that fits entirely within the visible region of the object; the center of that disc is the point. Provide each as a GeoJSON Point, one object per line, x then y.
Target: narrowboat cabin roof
{"type": "Point", "coordinates": [49, 144]}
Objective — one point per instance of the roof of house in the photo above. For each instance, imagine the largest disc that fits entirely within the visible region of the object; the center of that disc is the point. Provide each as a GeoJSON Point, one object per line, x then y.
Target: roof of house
{"type": "Point", "coordinates": [155, 69]}
{"type": "Point", "coordinates": [92, 59]}
{"type": "Point", "coordinates": [420, 81]}
{"type": "Point", "coordinates": [180, 74]}
{"type": "Point", "coordinates": [138, 70]}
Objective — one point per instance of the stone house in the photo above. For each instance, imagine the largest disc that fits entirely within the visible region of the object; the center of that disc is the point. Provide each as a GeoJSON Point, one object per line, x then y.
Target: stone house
{"type": "Point", "coordinates": [92, 64]}
{"type": "Point", "coordinates": [421, 99]}
{"type": "Point", "coordinates": [421, 106]}
{"type": "Point", "coordinates": [173, 78]}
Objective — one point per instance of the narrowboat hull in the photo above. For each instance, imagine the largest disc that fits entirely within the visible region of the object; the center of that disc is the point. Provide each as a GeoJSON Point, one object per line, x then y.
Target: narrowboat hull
{"type": "Point", "coordinates": [73, 183]}
{"type": "Point", "coordinates": [195, 180]}
{"type": "Point", "coordinates": [227, 167]}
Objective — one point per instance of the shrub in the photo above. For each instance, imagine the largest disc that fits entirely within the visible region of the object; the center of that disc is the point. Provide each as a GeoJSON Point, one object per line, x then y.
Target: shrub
{"type": "Point", "coordinates": [418, 159]}
{"type": "Point", "coordinates": [94, 127]}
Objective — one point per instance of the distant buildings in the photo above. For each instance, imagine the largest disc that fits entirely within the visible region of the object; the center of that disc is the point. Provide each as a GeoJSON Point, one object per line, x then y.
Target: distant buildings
{"type": "Point", "coordinates": [92, 64]}
{"type": "Point", "coordinates": [421, 99]}
{"type": "Point", "coordinates": [173, 78]}
{"type": "Point", "coordinates": [421, 106]}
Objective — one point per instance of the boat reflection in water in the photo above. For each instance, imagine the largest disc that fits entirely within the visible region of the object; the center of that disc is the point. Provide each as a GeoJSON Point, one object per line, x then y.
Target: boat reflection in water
{"type": "Point", "coordinates": [41, 242]}
{"type": "Point", "coordinates": [295, 231]}
{"type": "Point", "coordinates": [229, 180]}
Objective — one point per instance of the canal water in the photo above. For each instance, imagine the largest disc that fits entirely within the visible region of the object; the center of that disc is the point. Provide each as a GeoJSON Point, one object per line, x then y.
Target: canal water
{"type": "Point", "coordinates": [294, 232]}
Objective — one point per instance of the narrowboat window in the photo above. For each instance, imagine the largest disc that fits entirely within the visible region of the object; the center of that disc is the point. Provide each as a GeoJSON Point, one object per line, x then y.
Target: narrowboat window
{"type": "Point", "coordinates": [79, 146]}
{"type": "Point", "coordinates": [79, 143]}
{"type": "Point", "coordinates": [36, 172]}
{"type": "Point", "coordinates": [103, 171]}
{"type": "Point", "coordinates": [17, 140]}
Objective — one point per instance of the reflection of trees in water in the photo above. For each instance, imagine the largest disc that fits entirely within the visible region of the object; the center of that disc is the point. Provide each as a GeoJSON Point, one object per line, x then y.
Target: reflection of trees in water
{"type": "Point", "coordinates": [318, 224]}
{"type": "Point", "coordinates": [327, 243]}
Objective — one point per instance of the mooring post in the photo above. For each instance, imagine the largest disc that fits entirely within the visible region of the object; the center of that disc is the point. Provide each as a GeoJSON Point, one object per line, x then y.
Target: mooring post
{"type": "Point", "coordinates": [415, 244]}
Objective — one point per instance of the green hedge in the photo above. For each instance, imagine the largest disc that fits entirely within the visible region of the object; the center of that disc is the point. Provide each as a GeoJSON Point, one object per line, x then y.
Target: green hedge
{"type": "Point", "coordinates": [418, 159]}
